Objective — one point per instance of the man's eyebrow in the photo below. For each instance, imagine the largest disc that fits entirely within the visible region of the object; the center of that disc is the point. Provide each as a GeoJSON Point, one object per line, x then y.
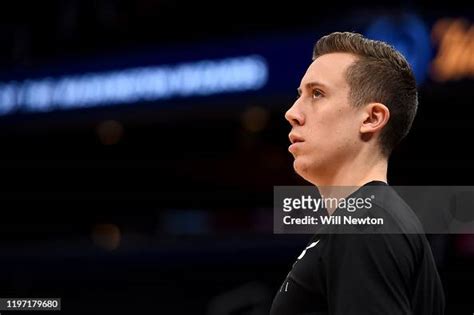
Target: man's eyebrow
{"type": "Point", "coordinates": [311, 85]}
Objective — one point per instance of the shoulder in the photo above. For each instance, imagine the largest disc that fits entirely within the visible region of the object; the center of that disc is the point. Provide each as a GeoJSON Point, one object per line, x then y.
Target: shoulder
{"type": "Point", "coordinates": [400, 237]}
{"type": "Point", "coordinates": [382, 202]}
{"type": "Point", "coordinates": [389, 204]}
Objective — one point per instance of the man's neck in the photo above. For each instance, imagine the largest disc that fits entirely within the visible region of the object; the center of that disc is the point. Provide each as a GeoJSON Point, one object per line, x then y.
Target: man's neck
{"type": "Point", "coordinates": [352, 175]}
{"type": "Point", "coordinates": [348, 177]}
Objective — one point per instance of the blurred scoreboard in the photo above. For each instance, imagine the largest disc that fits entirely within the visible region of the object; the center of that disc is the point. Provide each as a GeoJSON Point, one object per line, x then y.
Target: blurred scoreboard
{"type": "Point", "coordinates": [264, 67]}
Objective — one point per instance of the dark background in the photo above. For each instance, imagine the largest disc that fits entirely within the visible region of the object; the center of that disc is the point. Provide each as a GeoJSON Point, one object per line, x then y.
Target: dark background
{"type": "Point", "coordinates": [168, 209]}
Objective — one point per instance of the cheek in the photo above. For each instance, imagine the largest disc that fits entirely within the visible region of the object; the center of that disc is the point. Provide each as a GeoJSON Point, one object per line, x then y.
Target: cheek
{"type": "Point", "coordinates": [333, 136]}
{"type": "Point", "coordinates": [325, 132]}
{"type": "Point", "coordinates": [343, 126]}
{"type": "Point", "coordinates": [330, 127]}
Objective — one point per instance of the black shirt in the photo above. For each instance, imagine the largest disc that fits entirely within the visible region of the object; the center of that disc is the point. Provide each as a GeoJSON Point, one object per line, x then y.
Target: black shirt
{"type": "Point", "coordinates": [384, 273]}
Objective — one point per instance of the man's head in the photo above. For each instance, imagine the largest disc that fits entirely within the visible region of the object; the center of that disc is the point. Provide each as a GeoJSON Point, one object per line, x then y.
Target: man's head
{"type": "Point", "coordinates": [357, 94]}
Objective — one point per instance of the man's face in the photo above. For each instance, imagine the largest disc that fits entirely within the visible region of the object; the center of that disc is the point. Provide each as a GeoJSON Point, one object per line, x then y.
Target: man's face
{"type": "Point", "coordinates": [325, 126]}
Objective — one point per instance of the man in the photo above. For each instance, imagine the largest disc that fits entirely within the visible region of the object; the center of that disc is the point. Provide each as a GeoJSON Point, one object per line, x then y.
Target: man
{"type": "Point", "coordinates": [357, 101]}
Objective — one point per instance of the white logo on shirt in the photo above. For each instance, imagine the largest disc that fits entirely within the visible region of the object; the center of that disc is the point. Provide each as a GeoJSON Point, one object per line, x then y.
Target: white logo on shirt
{"type": "Point", "coordinates": [286, 282]}
{"type": "Point", "coordinates": [309, 246]}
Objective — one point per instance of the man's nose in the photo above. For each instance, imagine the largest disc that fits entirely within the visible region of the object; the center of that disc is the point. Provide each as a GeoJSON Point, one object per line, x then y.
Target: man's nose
{"type": "Point", "coordinates": [294, 115]}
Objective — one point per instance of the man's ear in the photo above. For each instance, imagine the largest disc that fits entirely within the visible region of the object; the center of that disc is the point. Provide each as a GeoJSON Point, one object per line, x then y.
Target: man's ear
{"type": "Point", "coordinates": [376, 116]}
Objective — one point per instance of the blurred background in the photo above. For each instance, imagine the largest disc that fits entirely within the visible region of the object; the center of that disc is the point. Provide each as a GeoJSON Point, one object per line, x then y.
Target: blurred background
{"type": "Point", "coordinates": [141, 140]}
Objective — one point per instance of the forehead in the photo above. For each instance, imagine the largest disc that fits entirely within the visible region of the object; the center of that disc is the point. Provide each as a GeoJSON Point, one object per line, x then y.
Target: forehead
{"type": "Point", "coordinates": [329, 69]}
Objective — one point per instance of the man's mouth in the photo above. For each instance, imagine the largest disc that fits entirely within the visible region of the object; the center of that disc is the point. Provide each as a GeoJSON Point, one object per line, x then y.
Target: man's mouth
{"type": "Point", "coordinates": [295, 138]}
{"type": "Point", "coordinates": [295, 142]}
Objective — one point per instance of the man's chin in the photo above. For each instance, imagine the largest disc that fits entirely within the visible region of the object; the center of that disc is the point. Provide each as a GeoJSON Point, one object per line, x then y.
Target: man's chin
{"type": "Point", "coordinates": [305, 169]}
{"type": "Point", "coordinates": [301, 168]}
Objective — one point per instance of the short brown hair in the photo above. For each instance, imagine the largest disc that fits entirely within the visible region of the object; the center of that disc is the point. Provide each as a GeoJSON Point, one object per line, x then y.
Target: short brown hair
{"type": "Point", "coordinates": [381, 74]}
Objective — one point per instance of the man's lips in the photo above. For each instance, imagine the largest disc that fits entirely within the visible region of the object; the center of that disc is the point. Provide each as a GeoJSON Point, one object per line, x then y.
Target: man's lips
{"type": "Point", "coordinates": [295, 142]}
{"type": "Point", "coordinates": [295, 138]}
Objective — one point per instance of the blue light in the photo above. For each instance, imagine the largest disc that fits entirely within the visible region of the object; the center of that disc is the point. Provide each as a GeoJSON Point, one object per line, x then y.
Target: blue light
{"type": "Point", "coordinates": [202, 78]}
{"type": "Point", "coordinates": [408, 34]}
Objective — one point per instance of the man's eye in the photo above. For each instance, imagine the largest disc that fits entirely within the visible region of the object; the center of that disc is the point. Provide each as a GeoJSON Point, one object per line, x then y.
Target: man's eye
{"type": "Point", "coordinates": [317, 94]}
